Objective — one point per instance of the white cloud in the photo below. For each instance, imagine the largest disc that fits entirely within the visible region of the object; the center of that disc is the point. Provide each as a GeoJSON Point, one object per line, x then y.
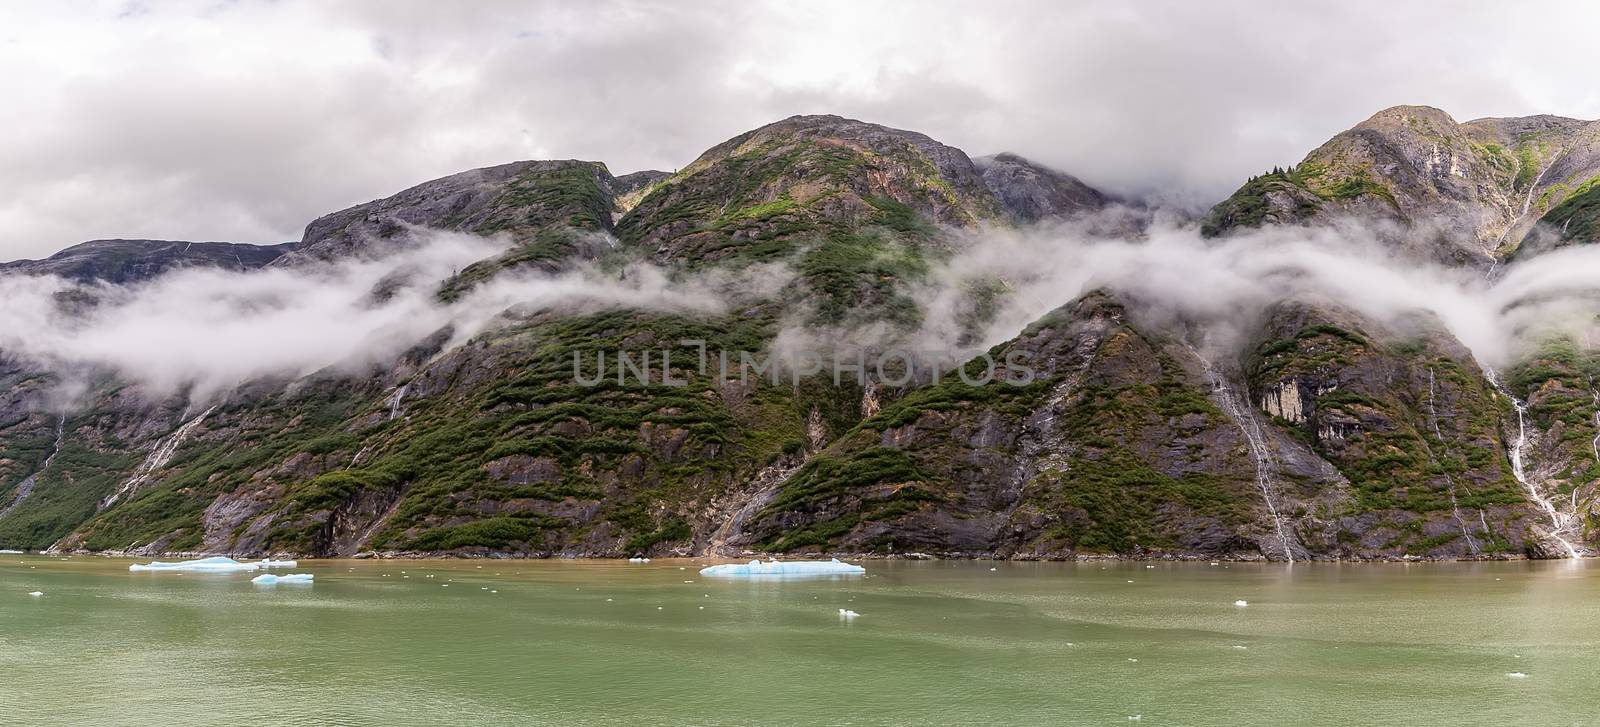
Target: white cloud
{"type": "Point", "coordinates": [244, 120]}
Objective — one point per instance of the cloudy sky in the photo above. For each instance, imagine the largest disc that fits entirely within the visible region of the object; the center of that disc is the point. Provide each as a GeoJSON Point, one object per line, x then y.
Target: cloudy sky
{"type": "Point", "coordinates": [244, 120]}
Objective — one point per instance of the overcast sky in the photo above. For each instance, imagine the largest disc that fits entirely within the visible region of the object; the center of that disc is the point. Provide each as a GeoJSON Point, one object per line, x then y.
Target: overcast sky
{"type": "Point", "coordinates": [244, 120]}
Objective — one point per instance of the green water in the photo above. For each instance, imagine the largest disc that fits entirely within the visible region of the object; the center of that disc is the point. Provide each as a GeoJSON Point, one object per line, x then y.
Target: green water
{"type": "Point", "coordinates": [565, 643]}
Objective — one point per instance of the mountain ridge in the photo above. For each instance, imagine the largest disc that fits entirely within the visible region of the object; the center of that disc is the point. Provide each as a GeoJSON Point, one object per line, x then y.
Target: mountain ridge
{"type": "Point", "coordinates": [1328, 436]}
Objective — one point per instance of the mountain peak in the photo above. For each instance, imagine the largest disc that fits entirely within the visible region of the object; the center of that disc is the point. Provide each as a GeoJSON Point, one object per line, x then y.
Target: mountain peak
{"type": "Point", "coordinates": [1480, 187]}
{"type": "Point", "coordinates": [130, 261]}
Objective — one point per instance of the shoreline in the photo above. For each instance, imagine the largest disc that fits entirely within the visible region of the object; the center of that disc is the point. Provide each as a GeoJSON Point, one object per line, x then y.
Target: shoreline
{"type": "Point", "coordinates": [747, 556]}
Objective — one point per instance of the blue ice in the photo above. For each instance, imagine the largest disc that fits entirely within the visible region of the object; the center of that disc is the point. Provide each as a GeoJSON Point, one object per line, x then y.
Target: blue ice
{"type": "Point", "coordinates": [219, 564]}
{"type": "Point", "coordinates": [784, 568]}
{"type": "Point", "coordinates": [267, 579]}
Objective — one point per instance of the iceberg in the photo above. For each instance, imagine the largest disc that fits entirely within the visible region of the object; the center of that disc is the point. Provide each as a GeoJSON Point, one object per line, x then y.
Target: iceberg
{"type": "Point", "coordinates": [791, 568]}
{"type": "Point", "coordinates": [268, 579]}
{"type": "Point", "coordinates": [270, 563]}
{"type": "Point", "coordinates": [219, 564]}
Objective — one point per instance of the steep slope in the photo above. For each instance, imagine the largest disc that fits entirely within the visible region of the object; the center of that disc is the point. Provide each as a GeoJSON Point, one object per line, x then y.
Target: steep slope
{"type": "Point", "coordinates": [493, 446]}
{"type": "Point", "coordinates": [1468, 192]}
{"type": "Point", "coordinates": [1408, 420]}
{"type": "Point", "coordinates": [1112, 447]}
{"type": "Point", "coordinates": [761, 194]}
{"type": "Point", "coordinates": [1132, 442]}
{"type": "Point", "coordinates": [1329, 436]}
{"type": "Point", "coordinates": [130, 261]}
{"type": "Point", "coordinates": [1557, 384]}
{"type": "Point", "coordinates": [1033, 193]}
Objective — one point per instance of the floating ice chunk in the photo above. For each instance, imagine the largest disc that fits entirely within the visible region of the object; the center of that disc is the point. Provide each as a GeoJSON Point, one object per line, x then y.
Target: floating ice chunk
{"type": "Point", "coordinates": [784, 568]}
{"type": "Point", "coordinates": [268, 579]}
{"type": "Point", "coordinates": [1241, 603]}
{"type": "Point", "coordinates": [270, 563]}
{"type": "Point", "coordinates": [219, 564]}
{"type": "Point", "coordinates": [1516, 675]}
{"type": "Point", "coordinates": [847, 614]}
{"type": "Point", "coordinates": [36, 594]}
{"type": "Point", "coordinates": [638, 560]}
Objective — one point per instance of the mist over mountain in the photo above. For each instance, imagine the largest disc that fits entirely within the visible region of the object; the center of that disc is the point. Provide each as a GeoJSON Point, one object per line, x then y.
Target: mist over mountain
{"type": "Point", "coordinates": [1382, 351]}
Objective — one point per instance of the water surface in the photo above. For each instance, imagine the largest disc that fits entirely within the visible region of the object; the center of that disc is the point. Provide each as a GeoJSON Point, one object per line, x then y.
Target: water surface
{"type": "Point", "coordinates": [613, 643]}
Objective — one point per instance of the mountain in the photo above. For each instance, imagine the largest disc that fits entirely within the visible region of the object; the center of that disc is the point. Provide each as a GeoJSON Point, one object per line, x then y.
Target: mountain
{"type": "Point", "coordinates": [1475, 191]}
{"type": "Point", "coordinates": [131, 261]}
{"type": "Point", "coordinates": [1509, 188]}
{"type": "Point", "coordinates": [1105, 428]}
{"type": "Point", "coordinates": [1033, 193]}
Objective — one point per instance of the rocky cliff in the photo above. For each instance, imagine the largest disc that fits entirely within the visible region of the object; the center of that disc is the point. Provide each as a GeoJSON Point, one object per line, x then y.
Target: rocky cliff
{"type": "Point", "coordinates": [1320, 434]}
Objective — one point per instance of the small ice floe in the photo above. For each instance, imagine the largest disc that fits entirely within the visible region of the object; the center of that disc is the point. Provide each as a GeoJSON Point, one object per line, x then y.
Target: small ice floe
{"type": "Point", "coordinates": [219, 564]}
{"type": "Point", "coordinates": [268, 579]}
{"type": "Point", "coordinates": [1241, 603]}
{"type": "Point", "coordinates": [784, 568]}
{"type": "Point", "coordinates": [270, 563]}
{"type": "Point", "coordinates": [638, 560]}
{"type": "Point", "coordinates": [847, 614]}
{"type": "Point", "coordinates": [36, 594]}
{"type": "Point", "coordinates": [1516, 675]}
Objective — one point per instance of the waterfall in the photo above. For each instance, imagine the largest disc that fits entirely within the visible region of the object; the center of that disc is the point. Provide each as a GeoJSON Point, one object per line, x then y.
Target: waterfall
{"type": "Point", "coordinates": [1559, 521]}
{"type": "Point", "coordinates": [1594, 444]}
{"type": "Point", "coordinates": [395, 399]}
{"type": "Point", "coordinates": [158, 458]}
{"type": "Point", "coordinates": [761, 491]}
{"type": "Point", "coordinates": [25, 487]}
{"type": "Point", "coordinates": [1258, 446]}
{"type": "Point", "coordinates": [1450, 482]}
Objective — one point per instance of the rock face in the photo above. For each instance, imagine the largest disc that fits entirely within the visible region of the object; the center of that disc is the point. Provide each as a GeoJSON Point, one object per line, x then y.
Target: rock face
{"type": "Point", "coordinates": [131, 261]}
{"type": "Point", "coordinates": [1033, 193]}
{"type": "Point", "coordinates": [1325, 436]}
{"type": "Point", "coordinates": [517, 198]}
{"type": "Point", "coordinates": [759, 194]}
{"type": "Point", "coordinates": [1465, 193]}
{"type": "Point", "coordinates": [1132, 442]}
